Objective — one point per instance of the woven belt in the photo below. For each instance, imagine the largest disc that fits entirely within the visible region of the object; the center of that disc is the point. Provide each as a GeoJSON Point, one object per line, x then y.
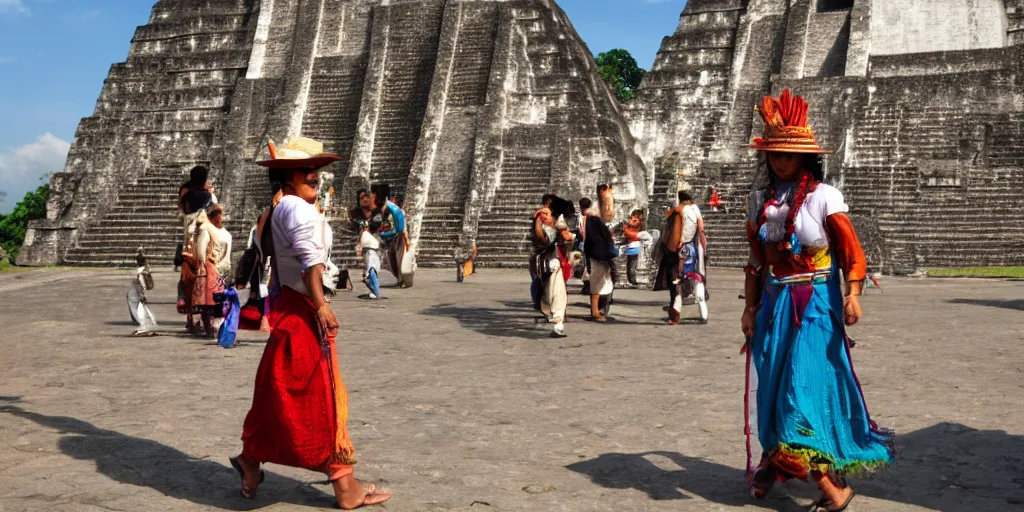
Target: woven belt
{"type": "Point", "coordinates": [812, 278]}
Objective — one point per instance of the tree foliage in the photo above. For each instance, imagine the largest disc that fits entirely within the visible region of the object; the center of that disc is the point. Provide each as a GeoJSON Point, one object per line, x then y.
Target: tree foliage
{"type": "Point", "coordinates": [621, 72]}
{"type": "Point", "coordinates": [14, 225]}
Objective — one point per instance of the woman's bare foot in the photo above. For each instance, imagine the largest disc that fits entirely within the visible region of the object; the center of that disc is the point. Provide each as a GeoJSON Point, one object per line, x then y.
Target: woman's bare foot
{"type": "Point", "coordinates": [352, 494]}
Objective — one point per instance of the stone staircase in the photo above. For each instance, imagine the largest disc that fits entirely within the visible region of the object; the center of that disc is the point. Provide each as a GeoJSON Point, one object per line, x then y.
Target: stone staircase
{"type": "Point", "coordinates": [472, 67]}
{"type": "Point", "coordinates": [442, 225]}
{"type": "Point", "coordinates": [343, 252]}
{"type": "Point", "coordinates": [726, 232]}
{"type": "Point", "coordinates": [503, 238]}
{"type": "Point", "coordinates": [145, 214]}
{"type": "Point", "coordinates": [334, 98]}
{"type": "Point", "coordinates": [474, 48]}
{"type": "Point", "coordinates": [412, 52]}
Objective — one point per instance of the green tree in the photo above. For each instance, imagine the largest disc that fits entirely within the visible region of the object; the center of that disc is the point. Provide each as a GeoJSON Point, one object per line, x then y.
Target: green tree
{"type": "Point", "coordinates": [14, 225]}
{"type": "Point", "coordinates": [621, 72]}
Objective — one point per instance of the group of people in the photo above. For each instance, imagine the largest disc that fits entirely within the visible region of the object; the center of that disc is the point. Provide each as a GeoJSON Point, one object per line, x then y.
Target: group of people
{"type": "Point", "coordinates": [204, 256]}
{"type": "Point", "coordinates": [380, 221]}
{"type": "Point", "coordinates": [595, 244]}
{"type": "Point", "coordinates": [806, 270]}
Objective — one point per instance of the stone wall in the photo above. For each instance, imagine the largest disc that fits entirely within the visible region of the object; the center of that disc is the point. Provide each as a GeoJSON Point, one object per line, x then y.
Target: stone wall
{"type": "Point", "coordinates": [474, 108]}
{"type": "Point", "coordinates": [158, 113]}
{"type": "Point", "coordinates": [920, 26]}
{"type": "Point", "coordinates": [918, 134]}
{"type": "Point", "coordinates": [470, 108]}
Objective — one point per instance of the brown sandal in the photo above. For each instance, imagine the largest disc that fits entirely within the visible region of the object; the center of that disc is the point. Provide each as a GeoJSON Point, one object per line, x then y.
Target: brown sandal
{"type": "Point", "coordinates": [824, 504]}
{"type": "Point", "coordinates": [246, 492]}
{"type": "Point", "coordinates": [372, 497]}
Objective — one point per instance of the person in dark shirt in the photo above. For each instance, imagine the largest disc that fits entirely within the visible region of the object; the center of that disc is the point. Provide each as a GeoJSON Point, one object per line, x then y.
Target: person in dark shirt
{"type": "Point", "coordinates": [195, 195]}
{"type": "Point", "coordinates": [599, 247]}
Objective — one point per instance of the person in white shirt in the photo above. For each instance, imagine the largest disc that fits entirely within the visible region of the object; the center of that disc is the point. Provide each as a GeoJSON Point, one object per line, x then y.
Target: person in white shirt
{"type": "Point", "coordinates": [300, 406]}
{"type": "Point", "coordinates": [369, 249]}
{"type": "Point", "coordinates": [682, 269]}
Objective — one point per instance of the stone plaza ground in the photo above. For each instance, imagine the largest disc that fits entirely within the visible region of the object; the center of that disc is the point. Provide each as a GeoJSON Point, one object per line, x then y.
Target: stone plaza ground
{"type": "Point", "coordinates": [459, 401]}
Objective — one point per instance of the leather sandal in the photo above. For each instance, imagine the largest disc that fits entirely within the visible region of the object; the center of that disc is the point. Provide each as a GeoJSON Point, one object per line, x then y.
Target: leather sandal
{"type": "Point", "coordinates": [246, 492]}
{"type": "Point", "coordinates": [824, 504]}
{"type": "Point", "coordinates": [372, 497]}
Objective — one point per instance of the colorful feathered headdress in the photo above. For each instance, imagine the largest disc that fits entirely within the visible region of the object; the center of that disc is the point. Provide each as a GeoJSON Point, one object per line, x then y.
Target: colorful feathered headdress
{"type": "Point", "coordinates": [785, 126]}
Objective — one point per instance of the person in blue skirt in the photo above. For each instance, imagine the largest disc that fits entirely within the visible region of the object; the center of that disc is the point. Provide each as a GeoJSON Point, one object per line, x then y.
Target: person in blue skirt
{"type": "Point", "coordinates": [804, 402]}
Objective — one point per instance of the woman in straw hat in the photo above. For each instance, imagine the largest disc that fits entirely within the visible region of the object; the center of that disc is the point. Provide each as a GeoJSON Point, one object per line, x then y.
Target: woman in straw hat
{"type": "Point", "coordinates": [300, 406]}
{"type": "Point", "coordinates": [808, 411]}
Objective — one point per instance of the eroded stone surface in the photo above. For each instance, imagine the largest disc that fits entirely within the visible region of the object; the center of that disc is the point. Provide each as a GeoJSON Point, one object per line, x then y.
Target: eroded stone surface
{"type": "Point", "coordinates": [460, 402]}
{"type": "Point", "coordinates": [471, 109]}
{"type": "Point", "coordinates": [923, 121]}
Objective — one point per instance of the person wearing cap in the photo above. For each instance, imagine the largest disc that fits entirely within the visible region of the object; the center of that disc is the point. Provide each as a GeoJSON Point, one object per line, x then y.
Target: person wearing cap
{"type": "Point", "coordinates": [682, 270]}
{"type": "Point", "coordinates": [300, 407]}
{"type": "Point", "coordinates": [810, 417]}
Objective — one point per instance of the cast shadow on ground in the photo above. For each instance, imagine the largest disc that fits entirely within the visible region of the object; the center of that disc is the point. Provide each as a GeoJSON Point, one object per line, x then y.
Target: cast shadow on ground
{"type": "Point", "coordinates": [514, 319]}
{"type": "Point", "coordinates": [645, 472]}
{"type": "Point", "coordinates": [946, 467]}
{"type": "Point", "coordinates": [1017, 304]}
{"type": "Point", "coordinates": [143, 462]}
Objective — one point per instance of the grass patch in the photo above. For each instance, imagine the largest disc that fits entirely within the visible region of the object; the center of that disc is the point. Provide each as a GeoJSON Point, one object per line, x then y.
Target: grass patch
{"type": "Point", "coordinates": [994, 272]}
{"type": "Point", "coordinates": [6, 267]}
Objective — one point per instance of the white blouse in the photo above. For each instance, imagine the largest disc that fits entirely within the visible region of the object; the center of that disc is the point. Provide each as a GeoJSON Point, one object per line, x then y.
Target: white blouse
{"type": "Point", "coordinates": [809, 223]}
{"type": "Point", "coordinates": [299, 242]}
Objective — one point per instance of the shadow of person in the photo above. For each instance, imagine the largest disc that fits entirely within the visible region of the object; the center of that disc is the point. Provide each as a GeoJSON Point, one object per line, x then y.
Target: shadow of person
{"type": "Point", "coordinates": [518, 320]}
{"type": "Point", "coordinates": [1017, 304]}
{"type": "Point", "coordinates": [666, 475]}
{"type": "Point", "coordinates": [946, 467]}
{"type": "Point", "coordinates": [953, 467]}
{"type": "Point", "coordinates": [147, 463]}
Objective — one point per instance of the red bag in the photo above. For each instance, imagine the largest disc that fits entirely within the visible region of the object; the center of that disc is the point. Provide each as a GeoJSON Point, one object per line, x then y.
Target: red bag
{"type": "Point", "coordinates": [250, 317]}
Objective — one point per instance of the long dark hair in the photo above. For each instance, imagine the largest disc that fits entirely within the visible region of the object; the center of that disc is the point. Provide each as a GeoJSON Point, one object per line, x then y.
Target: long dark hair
{"type": "Point", "coordinates": [814, 166]}
{"type": "Point", "coordinates": [198, 175]}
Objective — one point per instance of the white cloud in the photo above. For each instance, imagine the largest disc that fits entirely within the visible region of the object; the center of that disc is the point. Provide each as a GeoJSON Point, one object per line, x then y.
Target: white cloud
{"type": "Point", "coordinates": [7, 6]}
{"type": "Point", "coordinates": [6, 59]}
{"type": "Point", "coordinates": [22, 167]}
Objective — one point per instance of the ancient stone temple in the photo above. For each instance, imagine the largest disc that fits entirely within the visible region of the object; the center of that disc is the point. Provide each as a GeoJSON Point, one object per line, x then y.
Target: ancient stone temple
{"type": "Point", "coordinates": [922, 100]}
{"type": "Point", "coordinates": [472, 109]}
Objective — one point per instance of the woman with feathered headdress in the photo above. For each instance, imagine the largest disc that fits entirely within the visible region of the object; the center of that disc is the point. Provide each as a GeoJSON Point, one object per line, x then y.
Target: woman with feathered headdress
{"type": "Point", "coordinates": [805, 405]}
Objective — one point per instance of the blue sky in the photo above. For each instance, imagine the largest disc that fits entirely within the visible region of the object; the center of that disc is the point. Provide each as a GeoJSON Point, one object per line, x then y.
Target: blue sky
{"type": "Point", "coordinates": [54, 55]}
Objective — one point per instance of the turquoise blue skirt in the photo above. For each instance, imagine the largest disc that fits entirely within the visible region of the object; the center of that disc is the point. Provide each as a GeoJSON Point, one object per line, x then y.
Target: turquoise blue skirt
{"type": "Point", "coordinates": [804, 403]}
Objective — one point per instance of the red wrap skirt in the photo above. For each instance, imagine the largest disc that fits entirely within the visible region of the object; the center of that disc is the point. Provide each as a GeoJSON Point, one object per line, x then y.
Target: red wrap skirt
{"type": "Point", "coordinates": [299, 406]}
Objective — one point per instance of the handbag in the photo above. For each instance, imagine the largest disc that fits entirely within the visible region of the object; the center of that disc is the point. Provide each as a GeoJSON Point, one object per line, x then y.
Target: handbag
{"type": "Point", "coordinates": [250, 317]}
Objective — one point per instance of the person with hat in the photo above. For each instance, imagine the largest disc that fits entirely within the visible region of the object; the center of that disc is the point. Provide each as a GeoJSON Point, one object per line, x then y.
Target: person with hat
{"type": "Point", "coordinates": [300, 406]}
{"type": "Point", "coordinates": [810, 416]}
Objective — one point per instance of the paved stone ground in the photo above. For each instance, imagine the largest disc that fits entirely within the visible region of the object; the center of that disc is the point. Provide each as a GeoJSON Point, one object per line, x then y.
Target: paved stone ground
{"type": "Point", "coordinates": [459, 402]}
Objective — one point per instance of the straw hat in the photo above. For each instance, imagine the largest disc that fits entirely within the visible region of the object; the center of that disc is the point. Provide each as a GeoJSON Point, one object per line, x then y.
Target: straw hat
{"type": "Point", "coordinates": [301, 153]}
{"type": "Point", "coordinates": [785, 126]}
